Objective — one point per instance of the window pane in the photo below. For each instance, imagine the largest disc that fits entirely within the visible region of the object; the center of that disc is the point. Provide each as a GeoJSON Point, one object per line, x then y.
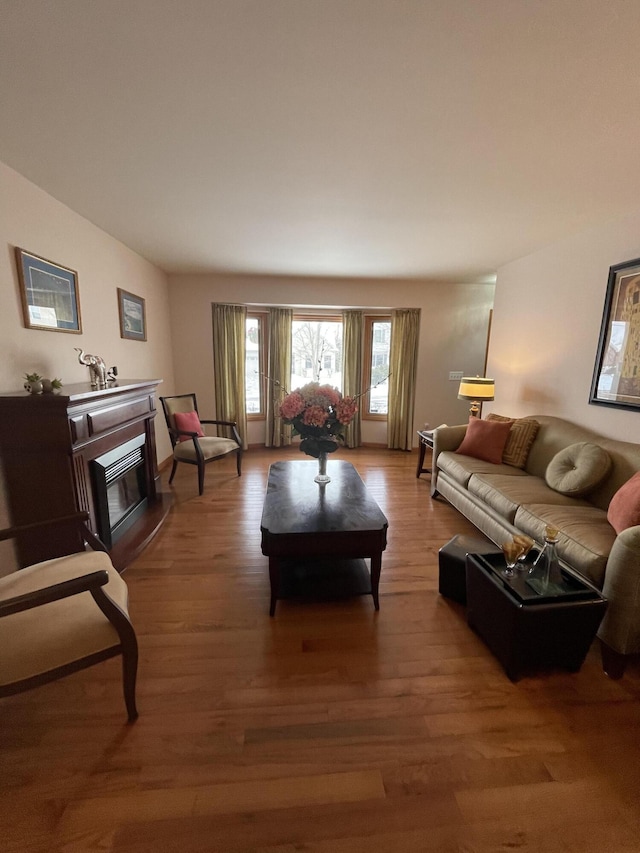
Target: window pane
{"type": "Point", "coordinates": [316, 352]}
{"type": "Point", "coordinates": [252, 378]}
{"type": "Point", "coordinates": [379, 394]}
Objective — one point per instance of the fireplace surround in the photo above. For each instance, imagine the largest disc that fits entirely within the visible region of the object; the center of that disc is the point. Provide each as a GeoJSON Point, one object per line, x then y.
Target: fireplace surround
{"type": "Point", "coordinates": [83, 449]}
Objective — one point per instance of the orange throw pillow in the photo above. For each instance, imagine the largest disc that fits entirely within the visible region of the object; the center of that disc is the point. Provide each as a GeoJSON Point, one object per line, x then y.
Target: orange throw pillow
{"type": "Point", "coordinates": [485, 440]}
{"type": "Point", "coordinates": [188, 421]}
{"type": "Point", "coordinates": [624, 509]}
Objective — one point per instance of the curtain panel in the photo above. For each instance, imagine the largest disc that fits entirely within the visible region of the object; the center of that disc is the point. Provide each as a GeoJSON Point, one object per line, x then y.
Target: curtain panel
{"type": "Point", "coordinates": [352, 332]}
{"type": "Point", "coordinates": [277, 433]}
{"type": "Point", "coordinates": [229, 336]}
{"type": "Point", "coordinates": [403, 364]}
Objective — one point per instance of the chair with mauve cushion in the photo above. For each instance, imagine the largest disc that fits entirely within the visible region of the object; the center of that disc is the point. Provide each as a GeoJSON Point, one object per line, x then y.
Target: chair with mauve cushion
{"type": "Point", "coordinates": [189, 442]}
{"type": "Point", "coordinates": [64, 614]}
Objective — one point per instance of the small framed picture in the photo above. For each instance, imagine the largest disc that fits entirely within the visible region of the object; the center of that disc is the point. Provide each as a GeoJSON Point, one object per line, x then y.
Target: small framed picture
{"type": "Point", "coordinates": [133, 323]}
{"type": "Point", "coordinates": [49, 294]}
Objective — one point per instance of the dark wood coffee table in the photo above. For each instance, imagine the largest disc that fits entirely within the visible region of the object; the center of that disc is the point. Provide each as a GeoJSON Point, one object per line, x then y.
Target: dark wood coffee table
{"type": "Point", "coordinates": [306, 523]}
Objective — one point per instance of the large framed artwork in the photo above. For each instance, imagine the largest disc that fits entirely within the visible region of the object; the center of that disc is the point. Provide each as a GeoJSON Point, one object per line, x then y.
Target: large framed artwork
{"type": "Point", "coordinates": [49, 294]}
{"type": "Point", "coordinates": [616, 377]}
{"type": "Point", "coordinates": [133, 324]}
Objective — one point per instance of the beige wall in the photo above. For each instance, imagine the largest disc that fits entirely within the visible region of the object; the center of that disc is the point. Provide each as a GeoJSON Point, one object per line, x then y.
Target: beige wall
{"type": "Point", "coordinates": [548, 310]}
{"type": "Point", "coordinates": [33, 220]}
{"type": "Point", "coordinates": [453, 331]}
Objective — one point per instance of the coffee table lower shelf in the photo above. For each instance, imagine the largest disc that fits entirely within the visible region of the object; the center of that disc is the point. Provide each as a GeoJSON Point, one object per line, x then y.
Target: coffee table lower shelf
{"type": "Point", "coordinates": [323, 579]}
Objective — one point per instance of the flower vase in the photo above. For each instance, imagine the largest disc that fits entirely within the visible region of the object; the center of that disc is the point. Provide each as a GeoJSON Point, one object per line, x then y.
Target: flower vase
{"type": "Point", "coordinates": [322, 477]}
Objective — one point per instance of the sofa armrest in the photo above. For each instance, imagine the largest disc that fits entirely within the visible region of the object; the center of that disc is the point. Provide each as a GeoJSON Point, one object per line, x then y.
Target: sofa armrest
{"type": "Point", "coordinates": [444, 438]}
{"type": "Point", "coordinates": [620, 628]}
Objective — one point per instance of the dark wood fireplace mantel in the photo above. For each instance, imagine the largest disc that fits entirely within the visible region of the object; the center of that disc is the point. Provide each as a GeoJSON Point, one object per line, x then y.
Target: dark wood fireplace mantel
{"type": "Point", "coordinates": [48, 443]}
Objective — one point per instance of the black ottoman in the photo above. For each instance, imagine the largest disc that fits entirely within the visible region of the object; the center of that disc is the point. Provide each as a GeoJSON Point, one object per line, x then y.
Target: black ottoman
{"type": "Point", "coordinates": [452, 558]}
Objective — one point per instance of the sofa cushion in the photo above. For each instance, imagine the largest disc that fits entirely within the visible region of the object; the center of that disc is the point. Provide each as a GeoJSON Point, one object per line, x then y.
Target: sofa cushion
{"type": "Point", "coordinates": [624, 509]}
{"type": "Point", "coordinates": [585, 537]}
{"type": "Point", "coordinates": [505, 493]}
{"type": "Point", "coordinates": [577, 469]}
{"type": "Point", "coordinates": [521, 436]}
{"type": "Point", "coordinates": [485, 440]}
{"type": "Point", "coordinates": [461, 468]}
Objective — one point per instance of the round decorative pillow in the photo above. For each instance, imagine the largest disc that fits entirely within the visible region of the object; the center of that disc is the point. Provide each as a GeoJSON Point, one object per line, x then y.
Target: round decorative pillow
{"type": "Point", "coordinates": [577, 469]}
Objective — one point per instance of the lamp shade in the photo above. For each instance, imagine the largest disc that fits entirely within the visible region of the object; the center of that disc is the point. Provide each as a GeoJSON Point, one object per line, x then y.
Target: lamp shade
{"type": "Point", "coordinates": [476, 388]}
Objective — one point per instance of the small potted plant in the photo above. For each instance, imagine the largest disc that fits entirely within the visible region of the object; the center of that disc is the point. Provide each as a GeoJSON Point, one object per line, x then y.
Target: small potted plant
{"type": "Point", "coordinates": [33, 383]}
{"type": "Point", "coordinates": [51, 385]}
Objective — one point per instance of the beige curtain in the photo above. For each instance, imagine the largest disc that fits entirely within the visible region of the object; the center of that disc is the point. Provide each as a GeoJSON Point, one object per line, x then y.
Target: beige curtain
{"type": "Point", "coordinates": [278, 434]}
{"type": "Point", "coordinates": [229, 336]}
{"type": "Point", "coordinates": [405, 327]}
{"type": "Point", "coordinates": [353, 324]}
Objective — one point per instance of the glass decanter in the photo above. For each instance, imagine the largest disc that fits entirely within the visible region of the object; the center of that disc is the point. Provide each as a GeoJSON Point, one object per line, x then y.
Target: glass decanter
{"type": "Point", "coordinates": [547, 574]}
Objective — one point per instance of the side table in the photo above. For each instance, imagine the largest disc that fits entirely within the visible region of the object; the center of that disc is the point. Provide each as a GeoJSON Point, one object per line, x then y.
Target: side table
{"type": "Point", "coordinates": [526, 631]}
{"type": "Point", "coordinates": [426, 440]}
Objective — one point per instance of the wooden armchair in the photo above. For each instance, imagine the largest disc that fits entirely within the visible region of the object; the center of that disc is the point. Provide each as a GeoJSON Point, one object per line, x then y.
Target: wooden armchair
{"type": "Point", "coordinates": [64, 614]}
{"type": "Point", "coordinates": [188, 440]}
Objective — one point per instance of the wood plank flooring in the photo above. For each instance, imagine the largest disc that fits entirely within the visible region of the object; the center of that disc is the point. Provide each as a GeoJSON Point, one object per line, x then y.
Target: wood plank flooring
{"type": "Point", "coordinates": [328, 729]}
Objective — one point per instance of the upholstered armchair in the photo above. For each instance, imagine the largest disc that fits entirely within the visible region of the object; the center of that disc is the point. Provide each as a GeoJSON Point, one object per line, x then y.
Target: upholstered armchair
{"type": "Point", "coordinates": [64, 614]}
{"type": "Point", "coordinates": [189, 442]}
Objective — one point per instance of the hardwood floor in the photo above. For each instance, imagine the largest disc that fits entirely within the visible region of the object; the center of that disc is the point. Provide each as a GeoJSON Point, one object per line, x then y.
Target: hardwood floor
{"type": "Point", "coordinates": [330, 728]}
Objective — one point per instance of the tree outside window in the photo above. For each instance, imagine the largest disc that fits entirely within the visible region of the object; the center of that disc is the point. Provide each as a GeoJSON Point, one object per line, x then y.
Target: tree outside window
{"type": "Point", "coordinates": [316, 352]}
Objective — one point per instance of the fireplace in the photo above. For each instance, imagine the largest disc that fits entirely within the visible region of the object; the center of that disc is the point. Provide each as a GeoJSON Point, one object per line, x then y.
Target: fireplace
{"type": "Point", "coordinates": [120, 489]}
{"type": "Point", "coordinates": [83, 450]}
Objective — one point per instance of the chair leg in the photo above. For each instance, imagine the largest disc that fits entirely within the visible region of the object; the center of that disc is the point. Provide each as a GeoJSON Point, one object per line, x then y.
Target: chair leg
{"type": "Point", "coordinates": [239, 462]}
{"type": "Point", "coordinates": [173, 470]}
{"type": "Point", "coordinates": [200, 478]}
{"type": "Point", "coordinates": [129, 673]}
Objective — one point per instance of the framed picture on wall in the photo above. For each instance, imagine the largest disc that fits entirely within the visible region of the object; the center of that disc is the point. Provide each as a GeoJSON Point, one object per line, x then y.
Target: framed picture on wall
{"type": "Point", "coordinates": [49, 294]}
{"type": "Point", "coordinates": [616, 377]}
{"type": "Point", "coordinates": [133, 324]}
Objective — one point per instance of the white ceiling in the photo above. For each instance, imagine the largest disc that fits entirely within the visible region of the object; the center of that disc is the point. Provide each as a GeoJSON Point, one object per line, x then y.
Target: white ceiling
{"type": "Point", "coordinates": [417, 138]}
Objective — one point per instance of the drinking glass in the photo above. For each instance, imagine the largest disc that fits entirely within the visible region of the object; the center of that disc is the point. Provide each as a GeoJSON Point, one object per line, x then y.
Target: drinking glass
{"type": "Point", "coordinates": [511, 551]}
{"type": "Point", "coordinates": [527, 544]}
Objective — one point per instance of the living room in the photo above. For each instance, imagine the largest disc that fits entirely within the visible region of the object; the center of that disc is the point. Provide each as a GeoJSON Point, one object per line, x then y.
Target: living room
{"type": "Point", "coordinates": [506, 249]}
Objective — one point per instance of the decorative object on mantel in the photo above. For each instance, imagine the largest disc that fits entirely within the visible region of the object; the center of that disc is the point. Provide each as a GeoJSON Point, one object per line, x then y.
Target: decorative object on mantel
{"type": "Point", "coordinates": [33, 383]}
{"type": "Point", "coordinates": [49, 294]}
{"type": "Point", "coordinates": [36, 384]}
{"type": "Point", "coordinates": [50, 386]}
{"type": "Point", "coordinates": [319, 414]}
{"type": "Point", "coordinates": [97, 368]}
{"type": "Point", "coordinates": [478, 390]}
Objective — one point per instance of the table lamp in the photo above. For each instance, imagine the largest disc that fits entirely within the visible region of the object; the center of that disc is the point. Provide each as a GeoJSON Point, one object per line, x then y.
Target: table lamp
{"type": "Point", "coordinates": [478, 390]}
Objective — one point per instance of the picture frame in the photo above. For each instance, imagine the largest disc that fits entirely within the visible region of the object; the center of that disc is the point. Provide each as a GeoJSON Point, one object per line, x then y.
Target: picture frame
{"type": "Point", "coordinates": [616, 375]}
{"type": "Point", "coordinates": [49, 294]}
{"type": "Point", "coordinates": [133, 322]}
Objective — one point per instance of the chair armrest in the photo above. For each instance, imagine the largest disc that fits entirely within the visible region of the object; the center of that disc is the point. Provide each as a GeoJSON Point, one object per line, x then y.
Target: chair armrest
{"type": "Point", "coordinates": [177, 432]}
{"type": "Point", "coordinates": [77, 519]}
{"type": "Point", "coordinates": [47, 594]}
{"type": "Point", "coordinates": [232, 424]}
{"type": "Point", "coordinates": [12, 532]}
{"type": "Point", "coordinates": [221, 423]}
